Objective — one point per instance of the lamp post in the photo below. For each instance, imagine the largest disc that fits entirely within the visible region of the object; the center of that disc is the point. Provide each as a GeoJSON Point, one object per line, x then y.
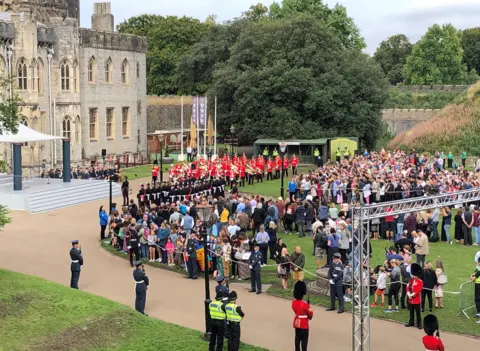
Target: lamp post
{"type": "Point", "coordinates": [283, 147]}
{"type": "Point", "coordinates": [204, 212]}
{"type": "Point", "coordinates": [160, 140]}
{"type": "Point", "coordinates": [232, 133]}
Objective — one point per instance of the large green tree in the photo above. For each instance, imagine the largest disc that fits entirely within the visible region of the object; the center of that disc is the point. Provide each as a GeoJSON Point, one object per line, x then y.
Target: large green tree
{"type": "Point", "coordinates": [335, 18]}
{"type": "Point", "coordinates": [278, 83]}
{"type": "Point", "coordinates": [437, 58]}
{"type": "Point", "coordinates": [9, 100]}
{"type": "Point", "coordinates": [391, 55]}
{"type": "Point", "coordinates": [471, 48]}
{"type": "Point", "coordinates": [169, 38]}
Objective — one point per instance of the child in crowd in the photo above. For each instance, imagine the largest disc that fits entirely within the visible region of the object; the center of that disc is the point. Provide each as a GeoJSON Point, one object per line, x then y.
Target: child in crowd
{"type": "Point", "coordinates": [441, 280]}
{"type": "Point", "coordinates": [179, 251]}
{"type": "Point", "coordinates": [381, 286]}
{"type": "Point", "coordinates": [170, 247]}
{"type": "Point", "coordinates": [347, 282]}
{"type": "Point", "coordinates": [151, 238]}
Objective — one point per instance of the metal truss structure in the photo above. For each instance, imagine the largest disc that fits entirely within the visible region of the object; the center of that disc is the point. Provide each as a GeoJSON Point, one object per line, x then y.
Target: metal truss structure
{"type": "Point", "coordinates": [361, 250]}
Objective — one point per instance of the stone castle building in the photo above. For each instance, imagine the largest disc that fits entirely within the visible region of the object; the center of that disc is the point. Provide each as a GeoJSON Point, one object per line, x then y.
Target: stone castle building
{"type": "Point", "coordinates": [88, 85]}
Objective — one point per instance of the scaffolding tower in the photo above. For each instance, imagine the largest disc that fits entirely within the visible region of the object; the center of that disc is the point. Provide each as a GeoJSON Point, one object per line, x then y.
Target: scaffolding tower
{"type": "Point", "coordinates": [362, 215]}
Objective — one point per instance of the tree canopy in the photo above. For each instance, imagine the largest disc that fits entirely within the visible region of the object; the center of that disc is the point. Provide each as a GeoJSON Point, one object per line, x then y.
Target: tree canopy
{"type": "Point", "coordinates": [437, 58]}
{"type": "Point", "coordinates": [392, 55]}
{"type": "Point", "coordinates": [9, 99]}
{"type": "Point", "coordinates": [471, 48]}
{"type": "Point", "coordinates": [278, 83]}
{"type": "Point", "coordinates": [169, 38]}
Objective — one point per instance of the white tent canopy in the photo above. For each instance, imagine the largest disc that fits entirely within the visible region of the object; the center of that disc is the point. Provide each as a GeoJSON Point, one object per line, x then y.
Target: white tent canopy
{"type": "Point", "coordinates": [25, 135]}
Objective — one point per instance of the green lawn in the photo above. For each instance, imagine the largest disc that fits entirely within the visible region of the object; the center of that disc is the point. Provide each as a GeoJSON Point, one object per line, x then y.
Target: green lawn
{"type": "Point", "coordinates": [38, 315]}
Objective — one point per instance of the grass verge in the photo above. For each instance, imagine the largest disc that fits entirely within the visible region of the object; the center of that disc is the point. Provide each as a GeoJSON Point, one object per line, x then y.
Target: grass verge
{"type": "Point", "coordinates": [38, 315]}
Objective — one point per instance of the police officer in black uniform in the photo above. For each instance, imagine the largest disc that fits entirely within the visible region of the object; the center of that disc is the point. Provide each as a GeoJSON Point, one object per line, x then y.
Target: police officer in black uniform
{"type": "Point", "coordinates": [335, 276]}
{"type": "Point", "coordinates": [192, 257]}
{"type": "Point", "coordinates": [76, 263]}
{"type": "Point", "coordinates": [133, 243]}
{"type": "Point", "coordinates": [221, 285]}
{"type": "Point", "coordinates": [141, 286]}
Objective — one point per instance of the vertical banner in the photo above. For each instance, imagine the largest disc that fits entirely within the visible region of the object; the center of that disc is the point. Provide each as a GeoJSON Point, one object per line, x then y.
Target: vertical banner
{"type": "Point", "coordinates": [203, 112]}
{"type": "Point", "coordinates": [194, 111]}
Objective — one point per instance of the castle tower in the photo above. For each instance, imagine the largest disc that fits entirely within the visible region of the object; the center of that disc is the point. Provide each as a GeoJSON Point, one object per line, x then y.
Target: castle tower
{"type": "Point", "coordinates": [102, 18]}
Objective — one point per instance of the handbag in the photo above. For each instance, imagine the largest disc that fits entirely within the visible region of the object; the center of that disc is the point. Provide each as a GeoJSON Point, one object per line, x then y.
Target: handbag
{"type": "Point", "coordinates": [442, 279]}
{"type": "Point", "coordinates": [281, 270]}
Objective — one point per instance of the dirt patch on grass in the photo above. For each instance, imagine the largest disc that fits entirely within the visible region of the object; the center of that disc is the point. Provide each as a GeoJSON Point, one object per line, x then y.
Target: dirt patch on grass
{"type": "Point", "coordinates": [15, 306]}
{"type": "Point", "coordinates": [105, 331]}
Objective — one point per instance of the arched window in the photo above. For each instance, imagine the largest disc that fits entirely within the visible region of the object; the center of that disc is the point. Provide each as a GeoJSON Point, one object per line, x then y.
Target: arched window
{"type": "Point", "coordinates": [125, 121]}
{"type": "Point", "coordinates": [34, 76]}
{"type": "Point", "coordinates": [138, 70]}
{"type": "Point", "coordinates": [66, 127]}
{"type": "Point", "coordinates": [110, 123]}
{"type": "Point", "coordinates": [91, 70]}
{"type": "Point", "coordinates": [22, 75]}
{"type": "Point", "coordinates": [77, 130]}
{"type": "Point", "coordinates": [40, 76]}
{"type": "Point", "coordinates": [108, 70]}
{"type": "Point", "coordinates": [24, 121]}
{"type": "Point", "coordinates": [65, 75]}
{"type": "Point", "coordinates": [124, 71]}
{"type": "Point", "coordinates": [75, 75]}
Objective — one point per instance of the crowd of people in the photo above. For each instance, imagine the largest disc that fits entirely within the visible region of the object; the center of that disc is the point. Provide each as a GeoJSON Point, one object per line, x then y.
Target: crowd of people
{"type": "Point", "coordinates": [167, 223]}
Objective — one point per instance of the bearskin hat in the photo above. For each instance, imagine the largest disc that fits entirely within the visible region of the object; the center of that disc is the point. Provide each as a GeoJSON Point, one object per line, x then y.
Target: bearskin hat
{"type": "Point", "coordinates": [430, 324]}
{"type": "Point", "coordinates": [299, 290]}
{"type": "Point", "coordinates": [416, 270]}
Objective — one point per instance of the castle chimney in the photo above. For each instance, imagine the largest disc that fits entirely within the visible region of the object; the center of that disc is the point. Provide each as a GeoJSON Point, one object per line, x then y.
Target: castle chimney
{"type": "Point", "coordinates": [102, 18]}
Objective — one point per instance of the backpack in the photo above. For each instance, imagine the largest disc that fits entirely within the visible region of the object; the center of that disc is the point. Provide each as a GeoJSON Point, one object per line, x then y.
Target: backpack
{"type": "Point", "coordinates": [323, 240]}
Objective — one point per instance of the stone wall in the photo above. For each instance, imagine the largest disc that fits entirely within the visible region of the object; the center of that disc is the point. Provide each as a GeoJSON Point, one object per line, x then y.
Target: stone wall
{"type": "Point", "coordinates": [399, 120]}
{"type": "Point", "coordinates": [429, 88]}
{"type": "Point", "coordinates": [165, 112]}
{"type": "Point", "coordinates": [90, 38]}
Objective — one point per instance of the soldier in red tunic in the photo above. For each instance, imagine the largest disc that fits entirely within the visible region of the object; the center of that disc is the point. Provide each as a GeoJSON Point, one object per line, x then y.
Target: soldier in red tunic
{"type": "Point", "coordinates": [303, 313]}
{"type": "Point", "coordinates": [431, 341]}
{"type": "Point", "coordinates": [278, 166]}
{"type": "Point", "coordinates": [294, 164]}
{"type": "Point", "coordinates": [414, 291]}
{"type": "Point", "coordinates": [243, 173]}
{"type": "Point", "coordinates": [269, 169]}
{"type": "Point", "coordinates": [285, 166]}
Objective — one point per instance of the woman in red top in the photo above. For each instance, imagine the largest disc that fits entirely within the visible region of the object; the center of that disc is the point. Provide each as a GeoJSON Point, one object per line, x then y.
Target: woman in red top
{"type": "Point", "coordinates": [414, 291]}
{"type": "Point", "coordinates": [432, 341]}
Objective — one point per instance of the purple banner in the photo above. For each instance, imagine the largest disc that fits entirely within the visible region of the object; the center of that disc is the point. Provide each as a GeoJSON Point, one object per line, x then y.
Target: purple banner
{"type": "Point", "coordinates": [194, 111]}
{"type": "Point", "coordinates": [203, 112]}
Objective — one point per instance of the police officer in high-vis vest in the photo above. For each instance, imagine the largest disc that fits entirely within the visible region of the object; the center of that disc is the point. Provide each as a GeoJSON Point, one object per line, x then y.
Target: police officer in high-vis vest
{"type": "Point", "coordinates": [275, 152]}
{"type": "Point", "coordinates": [265, 154]}
{"type": "Point", "coordinates": [75, 264]}
{"type": "Point", "coordinates": [316, 155]}
{"type": "Point", "coordinates": [218, 317]}
{"type": "Point", "coordinates": [338, 155]}
{"type": "Point", "coordinates": [141, 286]}
{"type": "Point", "coordinates": [234, 317]}
{"type": "Point", "coordinates": [476, 280]}
{"type": "Point", "coordinates": [346, 153]}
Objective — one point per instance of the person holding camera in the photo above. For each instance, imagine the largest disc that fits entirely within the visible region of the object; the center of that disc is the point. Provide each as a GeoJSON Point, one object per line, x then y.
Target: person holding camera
{"type": "Point", "coordinates": [432, 341]}
{"type": "Point", "coordinates": [141, 286]}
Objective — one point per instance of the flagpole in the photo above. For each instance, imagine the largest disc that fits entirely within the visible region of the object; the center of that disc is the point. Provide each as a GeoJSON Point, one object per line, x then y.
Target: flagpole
{"type": "Point", "coordinates": [181, 158]}
{"type": "Point", "coordinates": [205, 130]}
{"type": "Point", "coordinates": [199, 151]}
{"type": "Point", "coordinates": [215, 131]}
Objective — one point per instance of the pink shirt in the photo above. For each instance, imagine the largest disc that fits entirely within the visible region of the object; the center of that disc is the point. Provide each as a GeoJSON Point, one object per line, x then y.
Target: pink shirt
{"type": "Point", "coordinates": [170, 247]}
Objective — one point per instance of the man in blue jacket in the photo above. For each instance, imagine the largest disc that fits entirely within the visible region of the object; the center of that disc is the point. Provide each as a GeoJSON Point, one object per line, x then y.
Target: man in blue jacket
{"type": "Point", "coordinates": [292, 188]}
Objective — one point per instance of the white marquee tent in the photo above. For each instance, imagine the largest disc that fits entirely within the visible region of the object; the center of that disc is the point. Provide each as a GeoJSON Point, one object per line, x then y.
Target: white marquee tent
{"type": "Point", "coordinates": [25, 135]}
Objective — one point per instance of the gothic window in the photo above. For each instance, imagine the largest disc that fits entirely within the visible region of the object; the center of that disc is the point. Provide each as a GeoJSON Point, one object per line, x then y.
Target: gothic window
{"type": "Point", "coordinates": [66, 128]}
{"type": "Point", "coordinates": [110, 123]}
{"type": "Point", "coordinates": [124, 72]}
{"type": "Point", "coordinates": [91, 70]}
{"type": "Point", "coordinates": [22, 75]}
{"type": "Point", "coordinates": [65, 75]}
{"type": "Point", "coordinates": [93, 120]}
{"type": "Point", "coordinates": [108, 71]}
{"type": "Point", "coordinates": [125, 121]}
{"type": "Point", "coordinates": [138, 70]}
{"type": "Point", "coordinates": [40, 71]}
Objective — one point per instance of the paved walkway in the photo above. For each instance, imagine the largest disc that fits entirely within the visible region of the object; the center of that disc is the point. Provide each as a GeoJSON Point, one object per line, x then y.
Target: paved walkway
{"type": "Point", "coordinates": [42, 243]}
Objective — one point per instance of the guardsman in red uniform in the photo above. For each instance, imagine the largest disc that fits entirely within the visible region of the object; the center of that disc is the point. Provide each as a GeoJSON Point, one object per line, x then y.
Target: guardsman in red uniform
{"type": "Point", "coordinates": [285, 166]}
{"type": "Point", "coordinates": [414, 291]}
{"type": "Point", "coordinates": [235, 158]}
{"type": "Point", "coordinates": [303, 314]}
{"type": "Point", "coordinates": [269, 169]}
{"type": "Point", "coordinates": [244, 159]}
{"type": "Point", "coordinates": [431, 341]}
{"type": "Point", "coordinates": [243, 172]}
{"type": "Point", "coordinates": [259, 164]}
{"type": "Point", "coordinates": [278, 166]}
{"type": "Point", "coordinates": [294, 164]}
{"type": "Point", "coordinates": [155, 172]}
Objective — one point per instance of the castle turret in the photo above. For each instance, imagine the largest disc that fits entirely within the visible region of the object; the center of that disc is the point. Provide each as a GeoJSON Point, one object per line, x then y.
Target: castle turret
{"type": "Point", "coordinates": [102, 18]}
